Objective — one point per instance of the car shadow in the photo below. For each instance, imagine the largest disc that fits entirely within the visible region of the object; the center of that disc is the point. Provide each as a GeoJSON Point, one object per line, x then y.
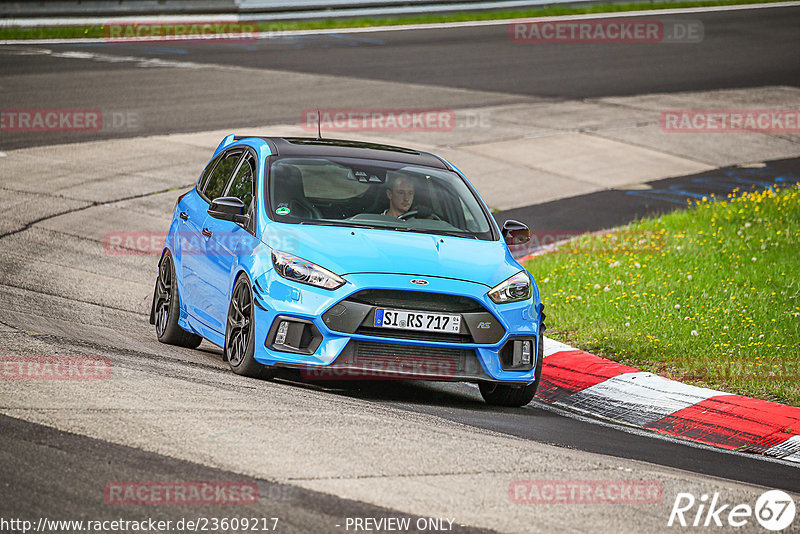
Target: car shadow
{"type": "Point", "coordinates": [408, 392]}
{"type": "Point", "coordinates": [412, 393]}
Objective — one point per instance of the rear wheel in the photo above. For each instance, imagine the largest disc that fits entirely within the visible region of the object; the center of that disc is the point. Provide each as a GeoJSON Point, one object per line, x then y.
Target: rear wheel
{"type": "Point", "coordinates": [505, 395]}
{"type": "Point", "coordinates": [166, 308]}
{"type": "Point", "coordinates": [240, 332]}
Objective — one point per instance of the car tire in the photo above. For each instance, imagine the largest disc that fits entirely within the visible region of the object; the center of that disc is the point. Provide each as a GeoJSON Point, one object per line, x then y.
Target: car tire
{"type": "Point", "coordinates": [166, 308]}
{"type": "Point", "coordinates": [240, 332]}
{"type": "Point", "coordinates": [502, 395]}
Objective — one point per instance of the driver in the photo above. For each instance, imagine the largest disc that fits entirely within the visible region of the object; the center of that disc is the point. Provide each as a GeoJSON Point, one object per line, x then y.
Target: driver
{"type": "Point", "coordinates": [401, 195]}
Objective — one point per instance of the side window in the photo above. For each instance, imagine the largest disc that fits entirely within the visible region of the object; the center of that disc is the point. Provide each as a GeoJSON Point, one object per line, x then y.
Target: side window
{"type": "Point", "coordinates": [219, 177]}
{"type": "Point", "coordinates": [242, 185]}
{"type": "Point", "coordinates": [207, 172]}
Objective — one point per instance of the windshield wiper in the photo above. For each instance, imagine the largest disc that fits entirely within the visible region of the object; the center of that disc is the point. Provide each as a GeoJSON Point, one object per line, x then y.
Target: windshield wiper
{"type": "Point", "coordinates": [348, 224]}
{"type": "Point", "coordinates": [339, 224]}
{"type": "Point", "coordinates": [427, 231]}
{"type": "Point", "coordinates": [455, 234]}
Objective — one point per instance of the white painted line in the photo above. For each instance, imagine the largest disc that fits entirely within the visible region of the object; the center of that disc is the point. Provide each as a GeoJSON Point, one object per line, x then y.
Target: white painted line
{"type": "Point", "coordinates": [113, 58]}
{"type": "Point", "coordinates": [788, 450]}
{"type": "Point", "coordinates": [638, 398]}
{"type": "Point", "coordinates": [795, 458]}
{"type": "Point", "coordinates": [123, 19]}
{"type": "Point", "coordinates": [501, 22]}
{"type": "Point", "coordinates": [551, 346]}
{"type": "Point", "coordinates": [566, 411]}
{"type": "Point", "coordinates": [410, 27]}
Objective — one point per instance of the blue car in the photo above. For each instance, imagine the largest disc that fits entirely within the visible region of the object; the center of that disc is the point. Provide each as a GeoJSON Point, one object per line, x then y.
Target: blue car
{"type": "Point", "coordinates": [349, 260]}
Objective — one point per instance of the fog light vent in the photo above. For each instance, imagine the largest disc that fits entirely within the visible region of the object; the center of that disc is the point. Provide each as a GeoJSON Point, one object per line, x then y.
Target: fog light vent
{"type": "Point", "coordinates": [290, 334]}
{"type": "Point", "coordinates": [522, 353]}
{"type": "Point", "coordinates": [517, 354]}
{"type": "Point", "coordinates": [525, 352]}
{"type": "Point", "coordinates": [283, 329]}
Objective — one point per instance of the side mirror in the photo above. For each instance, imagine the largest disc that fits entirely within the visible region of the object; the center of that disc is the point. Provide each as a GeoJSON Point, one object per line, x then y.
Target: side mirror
{"type": "Point", "coordinates": [229, 209]}
{"type": "Point", "coordinates": [516, 233]}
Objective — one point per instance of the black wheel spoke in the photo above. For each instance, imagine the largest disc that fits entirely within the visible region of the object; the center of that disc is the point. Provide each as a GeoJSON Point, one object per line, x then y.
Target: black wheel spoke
{"type": "Point", "coordinates": [236, 308]}
{"type": "Point", "coordinates": [234, 356]}
{"type": "Point", "coordinates": [163, 295]}
{"type": "Point", "coordinates": [240, 345]}
{"type": "Point", "coordinates": [239, 325]}
{"type": "Point", "coordinates": [232, 351]}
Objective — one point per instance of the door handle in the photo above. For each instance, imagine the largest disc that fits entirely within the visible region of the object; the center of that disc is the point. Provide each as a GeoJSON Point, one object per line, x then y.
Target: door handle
{"type": "Point", "coordinates": [206, 232]}
{"type": "Point", "coordinates": [183, 215]}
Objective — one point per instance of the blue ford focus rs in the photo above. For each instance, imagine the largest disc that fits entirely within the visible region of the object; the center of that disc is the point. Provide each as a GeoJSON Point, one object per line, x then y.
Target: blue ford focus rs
{"type": "Point", "coordinates": [349, 260]}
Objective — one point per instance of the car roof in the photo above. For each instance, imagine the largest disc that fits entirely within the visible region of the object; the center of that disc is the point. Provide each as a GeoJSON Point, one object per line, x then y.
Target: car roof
{"type": "Point", "coordinates": [309, 146]}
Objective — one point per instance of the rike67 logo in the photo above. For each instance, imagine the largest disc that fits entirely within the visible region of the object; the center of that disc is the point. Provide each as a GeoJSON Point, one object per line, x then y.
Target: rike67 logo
{"type": "Point", "coordinates": [774, 510]}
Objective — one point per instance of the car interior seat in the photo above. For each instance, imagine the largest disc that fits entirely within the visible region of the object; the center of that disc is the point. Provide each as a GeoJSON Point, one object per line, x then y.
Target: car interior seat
{"type": "Point", "coordinates": [287, 190]}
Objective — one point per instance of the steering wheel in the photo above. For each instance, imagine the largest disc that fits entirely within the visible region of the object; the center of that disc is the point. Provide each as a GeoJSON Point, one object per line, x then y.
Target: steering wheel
{"type": "Point", "coordinates": [407, 215]}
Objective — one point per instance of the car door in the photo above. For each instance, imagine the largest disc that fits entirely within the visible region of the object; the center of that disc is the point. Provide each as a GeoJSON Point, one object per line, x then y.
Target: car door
{"type": "Point", "coordinates": [194, 260]}
{"type": "Point", "coordinates": [191, 214]}
{"type": "Point", "coordinates": [225, 240]}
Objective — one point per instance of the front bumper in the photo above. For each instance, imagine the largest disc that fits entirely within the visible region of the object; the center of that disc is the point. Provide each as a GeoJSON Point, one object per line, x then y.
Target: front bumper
{"type": "Point", "coordinates": [330, 333]}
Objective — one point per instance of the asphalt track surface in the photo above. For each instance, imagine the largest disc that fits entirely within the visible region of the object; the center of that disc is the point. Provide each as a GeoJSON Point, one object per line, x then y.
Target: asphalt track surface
{"type": "Point", "coordinates": [562, 219]}
{"type": "Point", "coordinates": [51, 465]}
{"type": "Point", "coordinates": [739, 50]}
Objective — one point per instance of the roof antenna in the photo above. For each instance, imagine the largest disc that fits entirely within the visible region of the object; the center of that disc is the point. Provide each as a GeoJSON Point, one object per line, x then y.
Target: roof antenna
{"type": "Point", "coordinates": [319, 126]}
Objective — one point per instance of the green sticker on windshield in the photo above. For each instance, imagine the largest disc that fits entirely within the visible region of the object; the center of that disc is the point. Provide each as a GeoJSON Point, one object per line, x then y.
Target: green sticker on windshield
{"type": "Point", "coordinates": [283, 210]}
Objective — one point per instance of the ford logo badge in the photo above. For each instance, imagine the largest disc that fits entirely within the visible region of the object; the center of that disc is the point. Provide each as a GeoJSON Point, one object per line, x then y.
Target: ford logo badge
{"type": "Point", "coordinates": [419, 282]}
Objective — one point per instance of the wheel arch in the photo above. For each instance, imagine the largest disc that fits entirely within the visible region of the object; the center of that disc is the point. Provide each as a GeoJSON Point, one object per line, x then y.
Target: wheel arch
{"type": "Point", "coordinates": [158, 273]}
{"type": "Point", "coordinates": [237, 272]}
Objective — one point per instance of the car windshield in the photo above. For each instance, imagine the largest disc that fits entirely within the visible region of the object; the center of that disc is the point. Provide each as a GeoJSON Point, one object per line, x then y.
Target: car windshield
{"type": "Point", "coordinates": [374, 194]}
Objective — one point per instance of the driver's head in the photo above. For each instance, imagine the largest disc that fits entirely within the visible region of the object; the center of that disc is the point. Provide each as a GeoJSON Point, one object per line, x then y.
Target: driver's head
{"type": "Point", "coordinates": [401, 195]}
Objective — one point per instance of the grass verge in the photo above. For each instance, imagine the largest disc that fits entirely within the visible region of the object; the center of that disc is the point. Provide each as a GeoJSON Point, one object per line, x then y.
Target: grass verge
{"type": "Point", "coordinates": [708, 296]}
{"type": "Point", "coordinates": [99, 32]}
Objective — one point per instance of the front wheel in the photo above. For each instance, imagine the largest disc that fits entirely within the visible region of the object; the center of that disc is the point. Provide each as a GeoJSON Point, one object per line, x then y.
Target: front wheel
{"type": "Point", "coordinates": [240, 332]}
{"type": "Point", "coordinates": [503, 395]}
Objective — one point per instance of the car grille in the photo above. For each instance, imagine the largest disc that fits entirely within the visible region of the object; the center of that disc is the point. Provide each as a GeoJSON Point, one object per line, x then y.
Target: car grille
{"type": "Point", "coordinates": [411, 362]}
{"type": "Point", "coordinates": [417, 300]}
{"type": "Point", "coordinates": [355, 315]}
{"type": "Point", "coordinates": [415, 335]}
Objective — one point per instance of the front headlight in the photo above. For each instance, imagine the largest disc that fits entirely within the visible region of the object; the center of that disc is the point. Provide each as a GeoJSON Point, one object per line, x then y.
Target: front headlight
{"type": "Point", "coordinates": [516, 288]}
{"type": "Point", "coordinates": [299, 270]}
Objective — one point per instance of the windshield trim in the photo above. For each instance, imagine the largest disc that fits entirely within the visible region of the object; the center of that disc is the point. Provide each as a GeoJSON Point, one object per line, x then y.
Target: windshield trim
{"type": "Point", "coordinates": [344, 223]}
{"type": "Point", "coordinates": [492, 234]}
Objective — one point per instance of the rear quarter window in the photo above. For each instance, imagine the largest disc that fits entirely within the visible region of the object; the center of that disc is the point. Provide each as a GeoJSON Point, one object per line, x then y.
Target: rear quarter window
{"type": "Point", "coordinates": [220, 175]}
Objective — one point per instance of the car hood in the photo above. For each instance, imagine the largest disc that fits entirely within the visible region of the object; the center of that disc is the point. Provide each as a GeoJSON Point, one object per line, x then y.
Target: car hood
{"type": "Point", "coordinates": [359, 250]}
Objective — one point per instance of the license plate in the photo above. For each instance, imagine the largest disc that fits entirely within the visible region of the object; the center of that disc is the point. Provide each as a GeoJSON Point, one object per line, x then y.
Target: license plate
{"type": "Point", "coordinates": [416, 320]}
